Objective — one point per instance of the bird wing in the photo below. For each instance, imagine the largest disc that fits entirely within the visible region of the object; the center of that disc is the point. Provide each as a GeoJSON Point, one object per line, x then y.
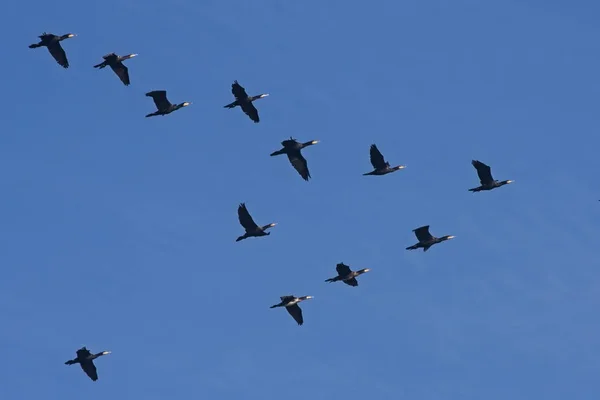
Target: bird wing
{"type": "Point", "coordinates": [246, 219]}
{"type": "Point", "coordinates": [296, 313]}
{"type": "Point", "coordinates": [122, 72]}
{"type": "Point", "coordinates": [483, 171]}
{"type": "Point", "coordinates": [351, 282]}
{"type": "Point", "coordinates": [90, 369]}
{"type": "Point", "coordinates": [160, 99]}
{"type": "Point", "coordinates": [238, 91]}
{"type": "Point", "coordinates": [299, 163]}
{"type": "Point", "coordinates": [59, 54]}
{"type": "Point", "coordinates": [83, 353]}
{"type": "Point", "coordinates": [423, 234]}
{"type": "Point", "coordinates": [342, 269]}
{"type": "Point", "coordinates": [284, 298]}
{"type": "Point", "coordinates": [377, 159]}
{"type": "Point", "coordinates": [109, 55]}
{"type": "Point", "coordinates": [251, 111]}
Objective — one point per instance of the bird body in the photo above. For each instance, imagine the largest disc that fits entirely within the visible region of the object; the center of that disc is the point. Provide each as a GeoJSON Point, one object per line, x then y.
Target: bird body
{"type": "Point", "coordinates": [381, 167]}
{"type": "Point", "coordinates": [251, 228]}
{"type": "Point", "coordinates": [290, 303]}
{"type": "Point", "coordinates": [346, 275]}
{"type": "Point", "coordinates": [244, 101]}
{"type": "Point", "coordinates": [484, 172]}
{"type": "Point", "coordinates": [426, 239]}
{"type": "Point", "coordinates": [116, 64]}
{"type": "Point", "coordinates": [86, 360]}
{"type": "Point", "coordinates": [162, 104]}
{"type": "Point", "coordinates": [293, 149]}
{"type": "Point", "coordinates": [52, 42]}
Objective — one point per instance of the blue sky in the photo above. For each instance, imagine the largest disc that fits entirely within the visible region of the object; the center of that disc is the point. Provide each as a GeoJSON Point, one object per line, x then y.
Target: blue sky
{"type": "Point", "coordinates": [118, 232]}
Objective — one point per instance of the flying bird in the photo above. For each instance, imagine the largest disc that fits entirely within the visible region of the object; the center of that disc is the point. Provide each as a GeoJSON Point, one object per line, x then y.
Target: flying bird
{"type": "Point", "coordinates": [52, 42]}
{"type": "Point", "coordinates": [426, 240]}
{"type": "Point", "coordinates": [293, 150]}
{"type": "Point", "coordinates": [252, 230]}
{"type": "Point", "coordinates": [485, 178]}
{"type": "Point", "coordinates": [346, 275]}
{"type": "Point", "coordinates": [381, 166]}
{"type": "Point", "coordinates": [116, 63]}
{"type": "Point", "coordinates": [86, 360]}
{"type": "Point", "coordinates": [291, 305]}
{"type": "Point", "coordinates": [244, 101]}
{"type": "Point", "coordinates": [163, 105]}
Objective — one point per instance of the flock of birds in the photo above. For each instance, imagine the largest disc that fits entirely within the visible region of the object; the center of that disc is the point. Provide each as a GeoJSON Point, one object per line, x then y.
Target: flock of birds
{"type": "Point", "coordinates": [291, 147]}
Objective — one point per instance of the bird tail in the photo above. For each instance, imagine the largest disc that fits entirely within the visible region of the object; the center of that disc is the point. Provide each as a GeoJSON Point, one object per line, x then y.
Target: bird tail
{"type": "Point", "coordinates": [101, 65]}
{"type": "Point", "coordinates": [477, 189]}
{"type": "Point", "coordinates": [413, 247]}
{"type": "Point", "coordinates": [240, 238]}
{"type": "Point", "coordinates": [152, 114]}
{"type": "Point", "coordinates": [231, 105]}
{"type": "Point", "coordinates": [71, 362]}
{"type": "Point", "coordinates": [275, 306]}
{"type": "Point", "coordinates": [332, 279]}
{"type": "Point", "coordinates": [369, 173]}
{"type": "Point", "coordinates": [35, 46]}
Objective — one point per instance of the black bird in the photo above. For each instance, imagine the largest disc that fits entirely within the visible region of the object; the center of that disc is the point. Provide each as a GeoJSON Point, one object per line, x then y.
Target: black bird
{"type": "Point", "coordinates": [252, 230]}
{"type": "Point", "coordinates": [292, 148]}
{"type": "Point", "coordinates": [243, 100]}
{"type": "Point", "coordinates": [381, 166]}
{"type": "Point", "coordinates": [52, 42]}
{"type": "Point", "coordinates": [426, 240]}
{"type": "Point", "coordinates": [86, 360]}
{"type": "Point", "coordinates": [485, 178]}
{"type": "Point", "coordinates": [291, 305]}
{"type": "Point", "coordinates": [163, 105]}
{"type": "Point", "coordinates": [116, 63]}
{"type": "Point", "coordinates": [346, 275]}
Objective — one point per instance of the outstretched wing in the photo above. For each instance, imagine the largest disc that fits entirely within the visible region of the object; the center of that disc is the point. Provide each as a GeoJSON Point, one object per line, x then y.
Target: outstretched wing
{"type": "Point", "coordinates": [299, 163]}
{"type": "Point", "coordinates": [483, 171]}
{"type": "Point", "coordinates": [351, 282]}
{"type": "Point", "coordinates": [245, 219]}
{"type": "Point", "coordinates": [122, 72]}
{"type": "Point", "coordinates": [286, 298]}
{"type": "Point", "coordinates": [377, 159]}
{"type": "Point", "coordinates": [296, 313]}
{"type": "Point", "coordinates": [160, 99]}
{"type": "Point", "coordinates": [251, 111]}
{"type": "Point", "coordinates": [238, 91]}
{"type": "Point", "coordinates": [423, 234]}
{"type": "Point", "coordinates": [90, 369]}
{"type": "Point", "coordinates": [59, 54]}
{"type": "Point", "coordinates": [342, 269]}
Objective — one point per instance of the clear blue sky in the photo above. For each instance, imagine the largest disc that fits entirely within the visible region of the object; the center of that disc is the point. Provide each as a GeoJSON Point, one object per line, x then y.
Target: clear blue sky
{"type": "Point", "coordinates": [118, 232]}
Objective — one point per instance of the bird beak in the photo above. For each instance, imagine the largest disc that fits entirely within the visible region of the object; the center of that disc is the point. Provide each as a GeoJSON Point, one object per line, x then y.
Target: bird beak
{"type": "Point", "coordinates": [71, 35]}
{"type": "Point", "coordinates": [315, 142]}
{"type": "Point", "coordinates": [272, 224]}
{"type": "Point", "coordinates": [451, 237]}
{"type": "Point", "coordinates": [367, 269]}
{"type": "Point", "coordinates": [133, 55]}
{"type": "Point", "coordinates": [106, 352]}
{"type": "Point", "coordinates": [509, 181]}
{"type": "Point", "coordinates": [187, 103]}
{"type": "Point", "coordinates": [309, 297]}
{"type": "Point", "coordinates": [264, 95]}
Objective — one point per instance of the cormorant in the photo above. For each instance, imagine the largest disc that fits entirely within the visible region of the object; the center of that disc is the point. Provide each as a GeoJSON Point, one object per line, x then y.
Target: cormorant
{"type": "Point", "coordinates": [52, 42]}
{"type": "Point", "coordinates": [86, 360]}
{"type": "Point", "coordinates": [116, 63]}
{"type": "Point", "coordinates": [381, 166]}
{"type": "Point", "coordinates": [163, 105]}
{"type": "Point", "coordinates": [485, 178]}
{"type": "Point", "coordinates": [426, 240]}
{"type": "Point", "coordinates": [291, 305]}
{"type": "Point", "coordinates": [346, 275]}
{"type": "Point", "coordinates": [243, 100]}
{"type": "Point", "coordinates": [252, 230]}
{"type": "Point", "coordinates": [292, 148]}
